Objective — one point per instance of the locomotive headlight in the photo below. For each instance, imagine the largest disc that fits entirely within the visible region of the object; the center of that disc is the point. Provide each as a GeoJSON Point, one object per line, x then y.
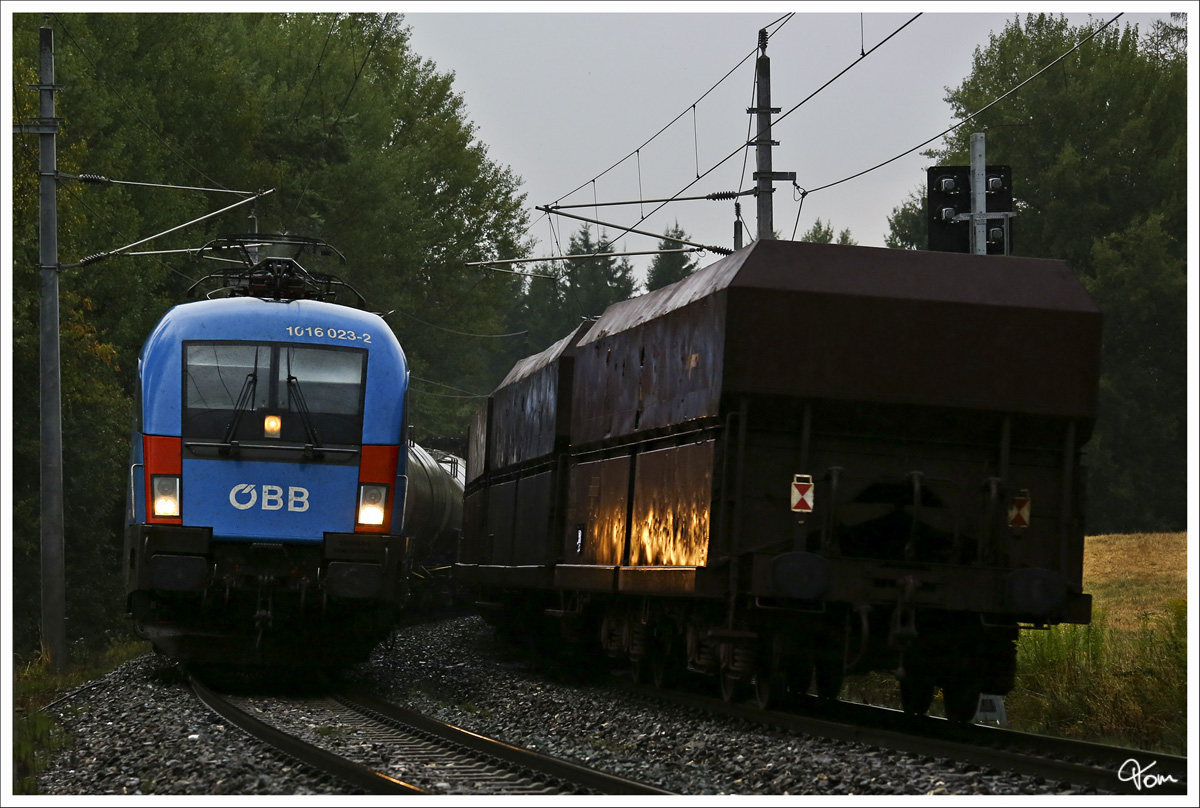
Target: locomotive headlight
{"type": "Point", "coordinates": [372, 500]}
{"type": "Point", "coordinates": [165, 490]}
{"type": "Point", "coordinates": [271, 426]}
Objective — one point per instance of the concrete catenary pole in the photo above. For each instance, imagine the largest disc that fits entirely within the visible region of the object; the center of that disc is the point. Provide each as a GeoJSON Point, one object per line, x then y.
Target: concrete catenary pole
{"type": "Point", "coordinates": [766, 217]}
{"type": "Point", "coordinates": [765, 176]}
{"type": "Point", "coordinates": [53, 565]}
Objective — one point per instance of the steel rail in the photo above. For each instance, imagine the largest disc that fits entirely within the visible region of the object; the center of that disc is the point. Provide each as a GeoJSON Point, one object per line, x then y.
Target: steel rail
{"type": "Point", "coordinates": [354, 774]}
{"type": "Point", "coordinates": [1107, 769]}
{"type": "Point", "coordinates": [557, 768]}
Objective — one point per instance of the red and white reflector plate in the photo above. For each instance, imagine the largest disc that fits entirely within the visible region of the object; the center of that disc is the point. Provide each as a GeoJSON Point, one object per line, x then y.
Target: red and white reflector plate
{"type": "Point", "coordinates": [802, 493]}
{"type": "Point", "coordinates": [1018, 510]}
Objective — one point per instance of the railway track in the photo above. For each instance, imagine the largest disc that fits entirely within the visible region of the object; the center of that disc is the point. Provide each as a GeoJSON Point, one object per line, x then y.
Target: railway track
{"type": "Point", "coordinates": [1107, 769]}
{"type": "Point", "coordinates": [379, 748]}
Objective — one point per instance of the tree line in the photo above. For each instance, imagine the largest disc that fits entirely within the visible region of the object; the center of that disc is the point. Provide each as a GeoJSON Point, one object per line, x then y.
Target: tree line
{"type": "Point", "coordinates": [1098, 150]}
{"type": "Point", "coordinates": [369, 148]}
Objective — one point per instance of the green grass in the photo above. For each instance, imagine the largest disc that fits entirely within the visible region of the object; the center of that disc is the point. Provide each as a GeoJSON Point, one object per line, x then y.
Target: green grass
{"type": "Point", "coordinates": [1120, 680]}
{"type": "Point", "coordinates": [1100, 683]}
{"type": "Point", "coordinates": [1125, 686]}
{"type": "Point", "coordinates": [37, 737]}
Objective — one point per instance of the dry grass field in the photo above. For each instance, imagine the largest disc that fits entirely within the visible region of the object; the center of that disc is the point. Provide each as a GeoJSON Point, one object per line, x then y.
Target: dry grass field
{"type": "Point", "coordinates": [1133, 576]}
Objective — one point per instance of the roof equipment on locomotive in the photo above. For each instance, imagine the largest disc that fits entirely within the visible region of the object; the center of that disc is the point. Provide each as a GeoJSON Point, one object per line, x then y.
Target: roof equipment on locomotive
{"type": "Point", "coordinates": [273, 494]}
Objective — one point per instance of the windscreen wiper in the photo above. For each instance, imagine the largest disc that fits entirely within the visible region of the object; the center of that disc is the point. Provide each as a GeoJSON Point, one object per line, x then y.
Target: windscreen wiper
{"type": "Point", "coordinates": [244, 401]}
{"type": "Point", "coordinates": [297, 395]}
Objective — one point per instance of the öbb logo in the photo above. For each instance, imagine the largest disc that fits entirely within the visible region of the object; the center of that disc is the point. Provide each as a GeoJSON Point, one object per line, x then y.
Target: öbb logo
{"type": "Point", "coordinates": [245, 496]}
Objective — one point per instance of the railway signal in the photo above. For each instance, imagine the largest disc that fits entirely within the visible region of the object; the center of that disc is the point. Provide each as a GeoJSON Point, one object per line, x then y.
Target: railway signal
{"type": "Point", "coordinates": [969, 209]}
{"type": "Point", "coordinates": [949, 207]}
{"type": "Point", "coordinates": [998, 196]}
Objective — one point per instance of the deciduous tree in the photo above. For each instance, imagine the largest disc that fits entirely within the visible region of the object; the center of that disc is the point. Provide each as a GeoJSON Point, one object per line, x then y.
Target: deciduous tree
{"type": "Point", "coordinates": [1098, 149]}
{"type": "Point", "coordinates": [367, 146]}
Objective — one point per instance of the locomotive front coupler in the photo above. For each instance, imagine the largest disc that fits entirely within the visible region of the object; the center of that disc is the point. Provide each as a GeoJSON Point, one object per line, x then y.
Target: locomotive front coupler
{"type": "Point", "coordinates": [262, 616]}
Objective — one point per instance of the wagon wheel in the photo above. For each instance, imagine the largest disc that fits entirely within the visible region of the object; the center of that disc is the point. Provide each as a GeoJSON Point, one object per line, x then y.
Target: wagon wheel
{"type": "Point", "coordinates": [916, 694]}
{"type": "Point", "coordinates": [960, 697]}
{"type": "Point", "coordinates": [639, 667]}
{"type": "Point", "coordinates": [664, 663]}
{"type": "Point", "coordinates": [729, 683]}
{"type": "Point", "coordinates": [769, 687]}
{"type": "Point", "coordinates": [770, 681]}
{"type": "Point", "coordinates": [829, 675]}
{"type": "Point", "coordinates": [800, 674]}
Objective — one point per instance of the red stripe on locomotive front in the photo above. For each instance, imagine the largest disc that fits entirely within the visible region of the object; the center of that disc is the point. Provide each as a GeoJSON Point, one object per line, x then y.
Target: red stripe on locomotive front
{"type": "Point", "coordinates": [163, 455]}
{"type": "Point", "coordinates": [378, 465]}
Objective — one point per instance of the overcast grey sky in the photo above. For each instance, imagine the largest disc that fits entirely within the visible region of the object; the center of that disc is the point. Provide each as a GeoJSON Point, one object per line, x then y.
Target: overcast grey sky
{"type": "Point", "coordinates": [564, 97]}
{"type": "Point", "coordinates": [574, 98]}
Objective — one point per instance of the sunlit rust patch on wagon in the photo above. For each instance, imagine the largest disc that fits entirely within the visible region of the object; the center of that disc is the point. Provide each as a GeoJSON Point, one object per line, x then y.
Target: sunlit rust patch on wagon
{"type": "Point", "coordinates": [921, 399]}
{"type": "Point", "coordinates": [671, 504]}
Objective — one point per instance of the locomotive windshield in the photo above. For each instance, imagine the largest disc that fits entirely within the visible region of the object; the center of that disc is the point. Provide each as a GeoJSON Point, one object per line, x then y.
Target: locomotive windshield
{"type": "Point", "coordinates": [273, 393]}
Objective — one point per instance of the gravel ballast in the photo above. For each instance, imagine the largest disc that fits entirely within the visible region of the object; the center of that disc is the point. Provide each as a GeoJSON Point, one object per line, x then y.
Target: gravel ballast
{"type": "Point", "coordinates": [140, 730]}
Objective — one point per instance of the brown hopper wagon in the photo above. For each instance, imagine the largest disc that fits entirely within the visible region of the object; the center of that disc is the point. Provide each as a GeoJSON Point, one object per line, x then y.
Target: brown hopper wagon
{"type": "Point", "coordinates": [802, 461]}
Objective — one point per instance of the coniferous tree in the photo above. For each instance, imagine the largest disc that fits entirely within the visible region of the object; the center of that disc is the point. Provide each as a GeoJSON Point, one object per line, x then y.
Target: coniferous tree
{"type": "Point", "coordinates": [592, 284]}
{"type": "Point", "coordinates": [821, 233]}
{"type": "Point", "coordinates": [667, 268]}
{"type": "Point", "coordinates": [542, 311]}
{"type": "Point", "coordinates": [563, 293]}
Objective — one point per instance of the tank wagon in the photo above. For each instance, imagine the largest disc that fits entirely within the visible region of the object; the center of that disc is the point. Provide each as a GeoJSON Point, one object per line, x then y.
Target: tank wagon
{"type": "Point", "coordinates": [804, 460]}
{"type": "Point", "coordinates": [275, 507]}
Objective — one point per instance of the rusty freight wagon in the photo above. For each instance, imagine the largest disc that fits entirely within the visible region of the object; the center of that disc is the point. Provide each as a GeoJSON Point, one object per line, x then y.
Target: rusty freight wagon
{"type": "Point", "coordinates": [802, 461]}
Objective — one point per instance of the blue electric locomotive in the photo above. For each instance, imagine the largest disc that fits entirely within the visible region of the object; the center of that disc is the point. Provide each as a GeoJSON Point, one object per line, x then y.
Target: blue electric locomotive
{"type": "Point", "coordinates": [269, 473]}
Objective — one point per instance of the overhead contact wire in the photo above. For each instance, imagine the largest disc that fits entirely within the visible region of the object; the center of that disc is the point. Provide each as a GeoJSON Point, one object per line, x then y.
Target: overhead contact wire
{"type": "Point", "coordinates": [793, 109]}
{"type": "Point", "coordinates": [459, 333]}
{"type": "Point", "coordinates": [677, 117]}
{"type": "Point", "coordinates": [130, 107]}
{"type": "Point", "coordinates": [785, 19]}
{"type": "Point", "coordinates": [978, 112]}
